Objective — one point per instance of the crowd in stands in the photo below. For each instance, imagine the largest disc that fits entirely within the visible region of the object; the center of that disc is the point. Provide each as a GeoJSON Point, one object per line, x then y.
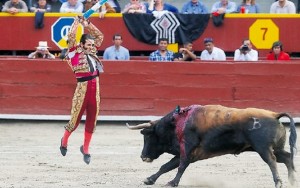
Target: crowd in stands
{"type": "Point", "coordinates": [213, 53]}
{"type": "Point", "coordinates": [146, 6]}
{"type": "Point", "coordinates": [118, 52]}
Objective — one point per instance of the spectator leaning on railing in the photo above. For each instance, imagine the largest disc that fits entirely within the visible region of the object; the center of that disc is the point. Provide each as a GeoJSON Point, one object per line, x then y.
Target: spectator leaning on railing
{"type": "Point", "coordinates": [15, 6]}
{"type": "Point", "coordinates": [135, 6]}
{"type": "Point", "coordinates": [159, 5]}
{"type": "Point", "coordinates": [283, 6]}
{"type": "Point", "coordinates": [224, 6]}
{"type": "Point", "coordinates": [248, 6]}
{"type": "Point", "coordinates": [72, 6]}
{"type": "Point", "coordinates": [39, 9]}
{"type": "Point", "coordinates": [41, 6]}
{"type": "Point", "coordinates": [194, 7]}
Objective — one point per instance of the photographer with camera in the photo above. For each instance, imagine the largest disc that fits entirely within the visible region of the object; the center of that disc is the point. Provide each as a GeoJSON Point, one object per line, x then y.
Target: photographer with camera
{"type": "Point", "coordinates": [245, 52]}
{"type": "Point", "coordinates": [41, 52]}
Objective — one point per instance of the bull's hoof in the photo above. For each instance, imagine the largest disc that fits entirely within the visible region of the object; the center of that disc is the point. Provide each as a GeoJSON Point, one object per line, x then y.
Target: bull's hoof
{"type": "Point", "coordinates": [278, 183]}
{"type": "Point", "coordinates": [149, 181]}
{"type": "Point", "coordinates": [172, 184]}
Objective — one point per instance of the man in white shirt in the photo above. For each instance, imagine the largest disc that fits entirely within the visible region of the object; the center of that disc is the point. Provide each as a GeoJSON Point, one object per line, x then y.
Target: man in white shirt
{"type": "Point", "coordinates": [73, 6]}
{"type": "Point", "coordinates": [245, 52]}
{"type": "Point", "coordinates": [283, 6]}
{"type": "Point", "coordinates": [212, 53]}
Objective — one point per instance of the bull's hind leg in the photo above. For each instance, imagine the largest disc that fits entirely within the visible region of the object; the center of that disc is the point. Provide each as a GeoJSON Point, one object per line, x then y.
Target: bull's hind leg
{"type": "Point", "coordinates": [285, 157]}
{"type": "Point", "coordinates": [269, 157]}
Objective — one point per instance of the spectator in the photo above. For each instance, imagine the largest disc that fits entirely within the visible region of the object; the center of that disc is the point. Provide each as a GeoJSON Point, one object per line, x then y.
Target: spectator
{"type": "Point", "coordinates": [162, 54]}
{"type": "Point", "coordinates": [106, 8]}
{"type": "Point", "coordinates": [14, 6]}
{"type": "Point", "coordinates": [115, 4]}
{"type": "Point", "coordinates": [283, 6]}
{"type": "Point", "coordinates": [245, 52]}
{"type": "Point", "coordinates": [250, 6]}
{"type": "Point", "coordinates": [116, 52]}
{"type": "Point", "coordinates": [224, 6]}
{"type": "Point", "coordinates": [186, 53]}
{"type": "Point", "coordinates": [194, 7]}
{"type": "Point", "coordinates": [74, 6]}
{"type": "Point", "coordinates": [41, 52]}
{"type": "Point", "coordinates": [159, 5]}
{"type": "Point", "coordinates": [135, 6]}
{"type": "Point", "coordinates": [277, 52]}
{"type": "Point", "coordinates": [41, 6]}
{"type": "Point", "coordinates": [212, 53]}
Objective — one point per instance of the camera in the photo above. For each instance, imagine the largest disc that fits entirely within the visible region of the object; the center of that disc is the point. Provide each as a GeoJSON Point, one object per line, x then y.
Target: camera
{"type": "Point", "coordinates": [245, 48]}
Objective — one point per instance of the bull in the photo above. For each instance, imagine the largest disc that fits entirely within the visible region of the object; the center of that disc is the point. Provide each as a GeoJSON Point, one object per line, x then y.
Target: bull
{"type": "Point", "coordinates": [200, 132]}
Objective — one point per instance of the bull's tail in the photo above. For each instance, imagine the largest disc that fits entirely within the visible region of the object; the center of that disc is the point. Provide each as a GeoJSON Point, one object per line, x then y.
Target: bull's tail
{"type": "Point", "coordinates": [293, 135]}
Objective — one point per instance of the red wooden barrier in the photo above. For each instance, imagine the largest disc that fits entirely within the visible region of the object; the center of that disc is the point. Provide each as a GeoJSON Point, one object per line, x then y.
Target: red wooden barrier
{"type": "Point", "coordinates": [18, 32]}
{"type": "Point", "coordinates": [136, 88]}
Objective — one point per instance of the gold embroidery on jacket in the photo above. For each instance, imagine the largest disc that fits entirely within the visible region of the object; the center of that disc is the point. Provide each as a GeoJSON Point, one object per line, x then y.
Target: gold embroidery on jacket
{"type": "Point", "coordinates": [77, 103]}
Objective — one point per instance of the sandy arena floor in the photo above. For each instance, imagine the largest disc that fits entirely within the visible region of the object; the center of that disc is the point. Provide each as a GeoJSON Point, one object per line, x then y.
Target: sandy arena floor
{"type": "Point", "coordinates": [30, 157]}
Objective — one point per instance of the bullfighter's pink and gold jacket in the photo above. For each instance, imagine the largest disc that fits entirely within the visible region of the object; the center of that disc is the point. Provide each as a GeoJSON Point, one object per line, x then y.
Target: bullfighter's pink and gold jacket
{"type": "Point", "coordinates": [77, 57]}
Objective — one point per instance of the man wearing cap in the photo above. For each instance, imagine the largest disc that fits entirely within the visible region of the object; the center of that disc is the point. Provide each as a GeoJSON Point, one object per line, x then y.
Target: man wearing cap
{"type": "Point", "coordinates": [212, 53]}
{"type": "Point", "coordinates": [41, 52]}
{"type": "Point", "coordinates": [245, 52]}
{"type": "Point", "coordinates": [86, 66]}
{"type": "Point", "coordinates": [277, 52]}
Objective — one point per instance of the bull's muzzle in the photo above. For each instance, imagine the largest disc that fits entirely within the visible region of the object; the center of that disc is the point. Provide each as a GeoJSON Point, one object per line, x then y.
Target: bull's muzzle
{"type": "Point", "coordinates": [146, 159]}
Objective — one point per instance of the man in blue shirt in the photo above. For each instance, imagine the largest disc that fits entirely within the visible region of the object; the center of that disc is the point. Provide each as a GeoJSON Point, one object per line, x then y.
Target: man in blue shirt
{"type": "Point", "coordinates": [194, 7]}
{"type": "Point", "coordinates": [162, 54]}
{"type": "Point", "coordinates": [116, 52]}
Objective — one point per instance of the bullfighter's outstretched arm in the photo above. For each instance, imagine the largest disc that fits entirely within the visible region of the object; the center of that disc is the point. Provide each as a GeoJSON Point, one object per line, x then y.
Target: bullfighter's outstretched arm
{"type": "Point", "coordinates": [72, 33]}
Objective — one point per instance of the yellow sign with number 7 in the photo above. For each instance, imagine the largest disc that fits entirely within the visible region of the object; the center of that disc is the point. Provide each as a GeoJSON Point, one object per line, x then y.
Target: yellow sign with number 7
{"type": "Point", "coordinates": [263, 32]}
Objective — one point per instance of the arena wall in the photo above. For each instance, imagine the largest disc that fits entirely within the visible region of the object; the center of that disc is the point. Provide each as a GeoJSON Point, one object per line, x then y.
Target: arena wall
{"type": "Point", "coordinates": [143, 88]}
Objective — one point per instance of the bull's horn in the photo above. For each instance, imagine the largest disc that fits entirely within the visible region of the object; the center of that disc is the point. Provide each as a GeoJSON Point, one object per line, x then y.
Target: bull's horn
{"type": "Point", "coordinates": [139, 126]}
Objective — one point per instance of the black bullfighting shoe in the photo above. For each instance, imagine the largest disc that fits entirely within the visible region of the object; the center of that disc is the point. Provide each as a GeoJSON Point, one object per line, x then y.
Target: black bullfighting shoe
{"type": "Point", "coordinates": [63, 150]}
{"type": "Point", "coordinates": [86, 157]}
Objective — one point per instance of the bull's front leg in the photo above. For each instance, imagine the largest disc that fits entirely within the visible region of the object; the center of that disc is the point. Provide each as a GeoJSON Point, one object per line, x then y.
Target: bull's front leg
{"type": "Point", "coordinates": [172, 164]}
{"type": "Point", "coordinates": [187, 145]}
{"type": "Point", "coordinates": [183, 165]}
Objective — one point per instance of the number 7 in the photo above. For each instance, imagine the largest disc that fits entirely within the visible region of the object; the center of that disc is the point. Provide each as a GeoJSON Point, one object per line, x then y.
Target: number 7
{"type": "Point", "coordinates": [264, 29]}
